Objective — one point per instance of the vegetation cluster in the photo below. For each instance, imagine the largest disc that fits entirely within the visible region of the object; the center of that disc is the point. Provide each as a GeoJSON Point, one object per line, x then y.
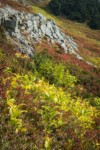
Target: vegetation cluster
{"type": "Point", "coordinates": [40, 108]}
{"type": "Point", "coordinates": [51, 101]}
{"type": "Point", "coordinates": [79, 10]}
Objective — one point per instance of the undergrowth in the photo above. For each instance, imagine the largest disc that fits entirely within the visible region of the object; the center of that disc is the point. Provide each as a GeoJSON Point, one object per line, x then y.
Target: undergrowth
{"type": "Point", "coordinates": [40, 108]}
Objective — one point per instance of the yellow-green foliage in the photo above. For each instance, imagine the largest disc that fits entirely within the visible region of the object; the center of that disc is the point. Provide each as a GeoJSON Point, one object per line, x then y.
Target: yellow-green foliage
{"type": "Point", "coordinates": [51, 109]}
{"type": "Point", "coordinates": [37, 9]}
{"type": "Point", "coordinates": [81, 112]}
{"type": "Point", "coordinates": [15, 114]}
{"type": "Point", "coordinates": [96, 102]}
{"type": "Point", "coordinates": [47, 143]}
{"type": "Point", "coordinates": [95, 61]}
{"type": "Point", "coordinates": [1, 54]}
{"type": "Point", "coordinates": [55, 73]}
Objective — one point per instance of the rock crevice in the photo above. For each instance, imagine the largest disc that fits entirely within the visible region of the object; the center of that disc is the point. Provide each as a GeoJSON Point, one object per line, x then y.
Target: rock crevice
{"type": "Point", "coordinates": [27, 28]}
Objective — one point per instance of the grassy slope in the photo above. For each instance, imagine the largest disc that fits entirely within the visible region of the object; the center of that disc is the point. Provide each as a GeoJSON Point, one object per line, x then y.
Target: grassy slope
{"type": "Point", "coordinates": [87, 39]}
{"type": "Point", "coordinates": [89, 47]}
{"type": "Point", "coordinates": [37, 115]}
{"type": "Point", "coordinates": [54, 119]}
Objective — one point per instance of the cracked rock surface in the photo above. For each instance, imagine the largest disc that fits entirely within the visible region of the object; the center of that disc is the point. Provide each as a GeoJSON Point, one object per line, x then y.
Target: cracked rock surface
{"type": "Point", "coordinates": [26, 29]}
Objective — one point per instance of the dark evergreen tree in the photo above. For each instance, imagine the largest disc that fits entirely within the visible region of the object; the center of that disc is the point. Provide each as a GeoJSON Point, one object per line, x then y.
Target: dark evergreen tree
{"type": "Point", "coordinates": [94, 22]}
{"type": "Point", "coordinates": [55, 7]}
{"type": "Point", "coordinates": [79, 10]}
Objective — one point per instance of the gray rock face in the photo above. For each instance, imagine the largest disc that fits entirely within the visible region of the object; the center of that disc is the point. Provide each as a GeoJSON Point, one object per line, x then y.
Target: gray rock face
{"type": "Point", "coordinates": [27, 28]}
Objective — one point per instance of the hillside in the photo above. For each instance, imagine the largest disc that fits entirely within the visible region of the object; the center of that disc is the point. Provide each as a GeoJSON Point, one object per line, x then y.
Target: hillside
{"type": "Point", "coordinates": [49, 82]}
{"type": "Point", "coordinates": [87, 11]}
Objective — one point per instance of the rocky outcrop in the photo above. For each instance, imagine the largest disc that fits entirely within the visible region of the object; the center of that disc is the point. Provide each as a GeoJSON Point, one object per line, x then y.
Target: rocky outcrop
{"type": "Point", "coordinates": [25, 29]}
